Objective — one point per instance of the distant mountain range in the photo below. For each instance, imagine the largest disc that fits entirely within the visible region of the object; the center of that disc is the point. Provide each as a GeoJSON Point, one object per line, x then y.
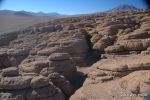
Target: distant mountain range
{"type": "Point", "coordinates": [124, 8]}
{"type": "Point", "coordinates": [26, 13]}
{"type": "Point", "coordinates": [15, 20]}
{"type": "Point", "coordinates": [55, 14]}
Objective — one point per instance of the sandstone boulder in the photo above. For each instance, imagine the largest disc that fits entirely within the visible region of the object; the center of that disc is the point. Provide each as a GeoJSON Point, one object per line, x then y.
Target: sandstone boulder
{"type": "Point", "coordinates": [78, 46]}
{"type": "Point", "coordinates": [15, 83]}
{"type": "Point", "coordinates": [49, 51]}
{"type": "Point", "coordinates": [114, 49]}
{"type": "Point", "coordinates": [65, 67]}
{"type": "Point", "coordinates": [5, 38]}
{"type": "Point", "coordinates": [4, 60]}
{"type": "Point", "coordinates": [59, 56]}
{"type": "Point", "coordinates": [11, 96]}
{"type": "Point", "coordinates": [44, 72]}
{"type": "Point", "coordinates": [34, 67]}
{"type": "Point", "coordinates": [10, 72]}
{"type": "Point", "coordinates": [62, 64]}
{"type": "Point", "coordinates": [43, 92]}
{"type": "Point", "coordinates": [61, 82]}
{"type": "Point", "coordinates": [39, 81]}
{"type": "Point", "coordinates": [132, 45]}
{"type": "Point", "coordinates": [103, 43]}
{"type": "Point", "coordinates": [95, 38]}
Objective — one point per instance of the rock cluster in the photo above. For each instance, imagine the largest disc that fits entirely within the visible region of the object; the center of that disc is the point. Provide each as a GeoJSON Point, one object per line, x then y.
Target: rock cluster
{"type": "Point", "coordinates": [117, 78]}
{"type": "Point", "coordinates": [61, 63]}
{"type": "Point", "coordinates": [19, 87]}
{"type": "Point", "coordinates": [41, 62]}
{"type": "Point", "coordinates": [122, 34]}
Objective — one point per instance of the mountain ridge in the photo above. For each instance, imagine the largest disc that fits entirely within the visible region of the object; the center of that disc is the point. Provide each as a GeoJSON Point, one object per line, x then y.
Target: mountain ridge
{"type": "Point", "coordinates": [51, 14]}
{"type": "Point", "coordinates": [119, 8]}
{"type": "Point", "coordinates": [124, 7]}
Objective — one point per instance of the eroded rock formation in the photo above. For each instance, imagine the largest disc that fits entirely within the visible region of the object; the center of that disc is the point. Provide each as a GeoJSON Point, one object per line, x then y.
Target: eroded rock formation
{"type": "Point", "coordinates": [46, 61]}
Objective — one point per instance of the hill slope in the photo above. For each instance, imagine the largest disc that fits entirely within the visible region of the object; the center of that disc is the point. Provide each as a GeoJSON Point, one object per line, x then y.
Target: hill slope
{"type": "Point", "coordinates": [15, 20]}
{"type": "Point", "coordinates": [123, 8]}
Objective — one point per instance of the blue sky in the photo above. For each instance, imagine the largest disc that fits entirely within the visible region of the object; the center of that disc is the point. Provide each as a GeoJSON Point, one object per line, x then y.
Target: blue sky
{"type": "Point", "coordinates": [69, 7]}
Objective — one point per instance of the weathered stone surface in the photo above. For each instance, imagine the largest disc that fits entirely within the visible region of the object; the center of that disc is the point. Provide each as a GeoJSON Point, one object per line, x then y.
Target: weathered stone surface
{"type": "Point", "coordinates": [105, 79]}
{"type": "Point", "coordinates": [78, 46]}
{"type": "Point", "coordinates": [43, 92]}
{"type": "Point", "coordinates": [103, 43]}
{"type": "Point", "coordinates": [120, 39]}
{"type": "Point", "coordinates": [5, 38]}
{"type": "Point", "coordinates": [10, 72]}
{"type": "Point", "coordinates": [15, 83]}
{"type": "Point", "coordinates": [34, 67]}
{"type": "Point", "coordinates": [64, 67]}
{"type": "Point", "coordinates": [11, 96]}
{"type": "Point", "coordinates": [95, 38]}
{"type": "Point", "coordinates": [44, 72]}
{"type": "Point", "coordinates": [59, 56]}
{"type": "Point", "coordinates": [4, 60]}
{"type": "Point", "coordinates": [39, 81]}
{"type": "Point", "coordinates": [58, 96]}
{"type": "Point", "coordinates": [61, 82]}
{"type": "Point", "coordinates": [114, 49]}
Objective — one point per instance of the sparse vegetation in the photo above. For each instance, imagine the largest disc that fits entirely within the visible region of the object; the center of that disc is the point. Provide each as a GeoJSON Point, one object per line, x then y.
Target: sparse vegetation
{"type": "Point", "coordinates": [120, 32]}
{"type": "Point", "coordinates": [88, 29]}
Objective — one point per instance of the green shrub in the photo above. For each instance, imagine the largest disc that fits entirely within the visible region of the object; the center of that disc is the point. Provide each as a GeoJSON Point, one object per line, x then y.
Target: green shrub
{"type": "Point", "coordinates": [120, 32]}
{"type": "Point", "coordinates": [88, 29]}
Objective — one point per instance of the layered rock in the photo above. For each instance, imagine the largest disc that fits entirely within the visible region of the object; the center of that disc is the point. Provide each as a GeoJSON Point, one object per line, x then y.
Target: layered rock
{"type": "Point", "coordinates": [29, 88]}
{"type": "Point", "coordinates": [39, 62]}
{"type": "Point", "coordinates": [33, 67]}
{"type": "Point", "coordinates": [117, 78]}
{"type": "Point", "coordinates": [10, 72]}
{"type": "Point", "coordinates": [61, 82]}
{"type": "Point", "coordinates": [61, 63]}
{"type": "Point", "coordinates": [4, 60]}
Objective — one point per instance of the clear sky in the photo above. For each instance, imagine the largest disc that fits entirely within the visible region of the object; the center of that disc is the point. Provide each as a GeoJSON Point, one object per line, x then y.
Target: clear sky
{"type": "Point", "coordinates": [69, 7]}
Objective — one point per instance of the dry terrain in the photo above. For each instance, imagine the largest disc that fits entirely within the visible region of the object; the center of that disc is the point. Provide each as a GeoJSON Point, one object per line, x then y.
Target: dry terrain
{"type": "Point", "coordinates": [19, 20]}
{"type": "Point", "coordinates": [103, 56]}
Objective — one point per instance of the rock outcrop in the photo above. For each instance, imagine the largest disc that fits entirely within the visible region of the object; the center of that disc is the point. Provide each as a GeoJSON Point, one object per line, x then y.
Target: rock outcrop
{"type": "Point", "coordinates": [118, 78]}
{"type": "Point", "coordinates": [29, 88]}
{"type": "Point", "coordinates": [61, 63]}
{"type": "Point", "coordinates": [103, 56]}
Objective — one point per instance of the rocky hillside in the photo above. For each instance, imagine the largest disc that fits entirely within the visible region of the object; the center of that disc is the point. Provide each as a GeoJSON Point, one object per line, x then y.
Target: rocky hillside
{"type": "Point", "coordinates": [92, 57]}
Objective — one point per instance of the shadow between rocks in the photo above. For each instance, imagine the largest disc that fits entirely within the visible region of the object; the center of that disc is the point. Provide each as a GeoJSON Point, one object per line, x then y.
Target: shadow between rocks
{"type": "Point", "coordinates": [78, 80]}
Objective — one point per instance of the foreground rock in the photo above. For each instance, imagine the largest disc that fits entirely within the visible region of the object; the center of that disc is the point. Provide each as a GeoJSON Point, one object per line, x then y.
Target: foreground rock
{"type": "Point", "coordinates": [61, 82]}
{"type": "Point", "coordinates": [10, 72]}
{"type": "Point", "coordinates": [61, 63]}
{"type": "Point", "coordinates": [29, 88]}
{"type": "Point", "coordinates": [118, 78]}
{"type": "Point", "coordinates": [41, 61]}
